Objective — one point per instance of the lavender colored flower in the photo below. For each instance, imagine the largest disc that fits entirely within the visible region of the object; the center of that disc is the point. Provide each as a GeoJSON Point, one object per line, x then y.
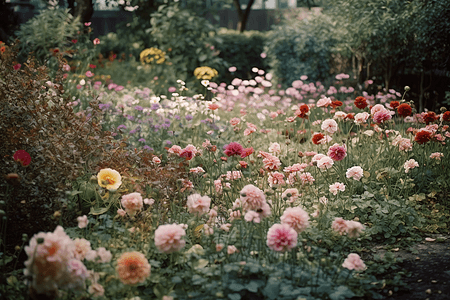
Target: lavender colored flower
{"type": "Point", "coordinates": [189, 117]}
{"type": "Point", "coordinates": [133, 131]}
{"type": "Point", "coordinates": [141, 140]}
{"type": "Point", "coordinates": [168, 142]}
{"type": "Point", "coordinates": [121, 127]}
{"type": "Point", "coordinates": [137, 107]}
{"type": "Point", "coordinates": [155, 106]}
{"type": "Point", "coordinates": [177, 117]}
{"type": "Point", "coordinates": [131, 118]}
{"type": "Point", "coordinates": [147, 147]}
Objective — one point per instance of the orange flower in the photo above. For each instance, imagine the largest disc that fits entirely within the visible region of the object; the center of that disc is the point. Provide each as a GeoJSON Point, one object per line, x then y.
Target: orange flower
{"type": "Point", "coordinates": [2, 49]}
{"type": "Point", "coordinates": [109, 179]}
{"type": "Point", "coordinates": [133, 267]}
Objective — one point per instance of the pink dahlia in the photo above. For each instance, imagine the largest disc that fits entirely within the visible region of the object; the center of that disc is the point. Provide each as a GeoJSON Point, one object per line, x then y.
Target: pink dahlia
{"type": "Point", "coordinates": [354, 262]}
{"type": "Point", "coordinates": [296, 218]}
{"type": "Point", "coordinates": [168, 238]}
{"type": "Point", "coordinates": [337, 152]}
{"type": "Point", "coordinates": [281, 237]}
{"type": "Point", "coordinates": [252, 198]}
{"type": "Point", "coordinates": [382, 116]}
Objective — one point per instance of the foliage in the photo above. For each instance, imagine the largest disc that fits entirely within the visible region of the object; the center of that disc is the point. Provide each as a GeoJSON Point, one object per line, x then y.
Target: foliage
{"type": "Point", "coordinates": [302, 48]}
{"type": "Point", "coordinates": [188, 39]}
{"type": "Point", "coordinates": [51, 30]}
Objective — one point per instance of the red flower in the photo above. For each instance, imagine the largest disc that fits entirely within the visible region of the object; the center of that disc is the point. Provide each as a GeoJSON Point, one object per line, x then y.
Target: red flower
{"type": "Point", "coordinates": [350, 116]}
{"type": "Point", "coordinates": [446, 116]}
{"type": "Point", "coordinates": [92, 66]}
{"type": "Point", "coordinates": [317, 138]}
{"type": "Point", "coordinates": [404, 110]}
{"type": "Point", "coordinates": [394, 104]}
{"type": "Point", "coordinates": [233, 148]}
{"type": "Point", "coordinates": [336, 104]}
{"type": "Point", "coordinates": [304, 108]}
{"type": "Point", "coordinates": [423, 136]}
{"type": "Point", "coordinates": [430, 117]}
{"type": "Point", "coordinates": [243, 164]}
{"type": "Point", "coordinates": [246, 152]}
{"type": "Point", "coordinates": [361, 102]}
{"type": "Point", "coordinates": [17, 67]}
{"type": "Point", "coordinates": [74, 41]}
{"type": "Point", "coordinates": [23, 157]}
{"type": "Point", "coordinates": [187, 154]}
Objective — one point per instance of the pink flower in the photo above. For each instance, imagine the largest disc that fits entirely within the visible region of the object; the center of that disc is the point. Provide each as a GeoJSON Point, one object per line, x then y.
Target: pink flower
{"type": "Point", "coordinates": [233, 148]}
{"type": "Point", "coordinates": [252, 198]}
{"type": "Point", "coordinates": [339, 225]}
{"type": "Point", "coordinates": [325, 163]}
{"type": "Point", "coordinates": [247, 152]}
{"type": "Point", "coordinates": [172, 89]}
{"type": "Point", "coordinates": [270, 162]}
{"type": "Point", "coordinates": [382, 116]}
{"type": "Point", "coordinates": [307, 178]}
{"type": "Point", "coordinates": [376, 108]}
{"type": "Point", "coordinates": [17, 67]}
{"type": "Point", "coordinates": [96, 41]}
{"type": "Point", "coordinates": [330, 126]}
{"type": "Point", "coordinates": [437, 155]}
{"type": "Point", "coordinates": [324, 102]}
{"type": "Point", "coordinates": [337, 186]}
{"type": "Point", "coordinates": [355, 172]}
{"type": "Point", "coordinates": [232, 69]}
{"type": "Point", "coordinates": [235, 121]}
{"type": "Point", "coordinates": [296, 218]}
{"type": "Point", "coordinates": [252, 216]}
{"type": "Point", "coordinates": [276, 178]}
{"type": "Point", "coordinates": [175, 149]}
{"type": "Point", "coordinates": [198, 204]}
{"type": "Point", "coordinates": [121, 212]}
{"type": "Point", "coordinates": [104, 255]}
{"type": "Point", "coordinates": [219, 247]}
{"type": "Point", "coordinates": [89, 74]}
{"type": "Point", "coordinates": [132, 203]}
{"type": "Point", "coordinates": [231, 249]}
{"type": "Point", "coordinates": [226, 227]}
{"type": "Point", "coordinates": [354, 229]}
{"type": "Point", "coordinates": [281, 237]}
{"type": "Point", "coordinates": [82, 221]}
{"type": "Point", "coordinates": [96, 290]}
{"type": "Point", "coordinates": [275, 148]}
{"type": "Point", "coordinates": [337, 152]}
{"type": "Point", "coordinates": [354, 262]}
{"type": "Point", "coordinates": [168, 238]}
{"type": "Point", "coordinates": [410, 164]}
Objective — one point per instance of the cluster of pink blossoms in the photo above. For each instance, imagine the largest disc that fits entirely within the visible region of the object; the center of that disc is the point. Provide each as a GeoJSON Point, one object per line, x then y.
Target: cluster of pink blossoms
{"type": "Point", "coordinates": [188, 152]}
{"type": "Point", "coordinates": [350, 228]}
{"type": "Point", "coordinates": [197, 204]}
{"type": "Point", "coordinates": [55, 261]}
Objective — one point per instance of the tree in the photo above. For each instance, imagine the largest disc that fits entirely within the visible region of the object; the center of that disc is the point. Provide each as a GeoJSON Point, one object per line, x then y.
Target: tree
{"type": "Point", "coordinates": [242, 15]}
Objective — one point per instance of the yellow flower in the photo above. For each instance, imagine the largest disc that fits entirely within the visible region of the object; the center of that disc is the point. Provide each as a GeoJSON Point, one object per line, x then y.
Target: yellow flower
{"type": "Point", "coordinates": [109, 179]}
{"type": "Point", "coordinates": [150, 55]}
{"type": "Point", "coordinates": [205, 73]}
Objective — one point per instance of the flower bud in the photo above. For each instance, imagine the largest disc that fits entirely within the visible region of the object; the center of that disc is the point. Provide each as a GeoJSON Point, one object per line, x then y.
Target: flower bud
{"type": "Point", "coordinates": [407, 88]}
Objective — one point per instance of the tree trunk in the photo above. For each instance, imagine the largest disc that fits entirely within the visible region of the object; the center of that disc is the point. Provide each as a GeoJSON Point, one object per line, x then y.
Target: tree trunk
{"type": "Point", "coordinates": [242, 15]}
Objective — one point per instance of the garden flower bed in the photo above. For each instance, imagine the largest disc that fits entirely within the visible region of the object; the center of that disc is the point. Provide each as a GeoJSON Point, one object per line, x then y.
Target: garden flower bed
{"type": "Point", "coordinates": [244, 191]}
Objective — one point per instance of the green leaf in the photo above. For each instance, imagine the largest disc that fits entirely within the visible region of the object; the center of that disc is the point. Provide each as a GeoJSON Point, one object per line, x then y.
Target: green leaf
{"type": "Point", "coordinates": [252, 286]}
{"type": "Point", "coordinates": [234, 296]}
{"type": "Point", "coordinates": [342, 292]}
{"type": "Point", "coordinates": [236, 287]}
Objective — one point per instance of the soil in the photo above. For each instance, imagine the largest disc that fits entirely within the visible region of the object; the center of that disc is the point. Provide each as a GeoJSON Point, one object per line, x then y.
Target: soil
{"type": "Point", "coordinates": [428, 270]}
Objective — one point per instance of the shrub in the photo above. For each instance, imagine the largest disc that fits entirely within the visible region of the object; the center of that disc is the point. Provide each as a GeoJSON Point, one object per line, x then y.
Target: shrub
{"type": "Point", "coordinates": [302, 48]}
{"type": "Point", "coordinates": [242, 51]}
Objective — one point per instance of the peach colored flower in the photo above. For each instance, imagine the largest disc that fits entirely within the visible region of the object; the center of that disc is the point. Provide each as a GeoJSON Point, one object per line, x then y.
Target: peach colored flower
{"type": "Point", "coordinates": [437, 155]}
{"type": "Point", "coordinates": [296, 218]}
{"type": "Point", "coordinates": [281, 237]}
{"type": "Point", "coordinates": [231, 249]}
{"type": "Point", "coordinates": [133, 268]}
{"type": "Point", "coordinates": [132, 203]}
{"type": "Point", "coordinates": [354, 262]}
{"type": "Point", "coordinates": [175, 149]}
{"type": "Point", "coordinates": [235, 121]}
{"type": "Point", "coordinates": [82, 247]}
{"type": "Point", "coordinates": [324, 102]}
{"type": "Point", "coordinates": [109, 179]}
{"type": "Point", "coordinates": [276, 178]}
{"type": "Point", "coordinates": [168, 238]}
{"type": "Point", "coordinates": [354, 229]}
{"type": "Point", "coordinates": [290, 194]}
{"type": "Point", "coordinates": [252, 216]}
{"type": "Point", "coordinates": [96, 290]}
{"type": "Point", "coordinates": [198, 204]}
{"type": "Point", "coordinates": [219, 247]}
{"type": "Point", "coordinates": [306, 178]}
{"type": "Point", "coordinates": [104, 255]}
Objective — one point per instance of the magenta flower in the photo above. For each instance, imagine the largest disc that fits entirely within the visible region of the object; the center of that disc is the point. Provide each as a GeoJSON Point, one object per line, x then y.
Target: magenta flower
{"type": "Point", "coordinates": [382, 116]}
{"type": "Point", "coordinates": [337, 152]}
{"type": "Point", "coordinates": [281, 238]}
{"type": "Point", "coordinates": [233, 148]}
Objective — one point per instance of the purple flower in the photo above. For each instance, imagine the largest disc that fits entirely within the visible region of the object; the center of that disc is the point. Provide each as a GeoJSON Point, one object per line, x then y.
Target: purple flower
{"type": "Point", "coordinates": [133, 131]}
{"type": "Point", "coordinates": [121, 127]}
{"type": "Point", "coordinates": [137, 107]}
{"type": "Point", "coordinates": [177, 117]}
{"type": "Point", "coordinates": [189, 117]}
{"type": "Point", "coordinates": [141, 140]}
{"type": "Point", "coordinates": [168, 142]}
{"type": "Point", "coordinates": [155, 106]}
{"type": "Point", "coordinates": [146, 147]}
{"type": "Point", "coordinates": [131, 118]}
